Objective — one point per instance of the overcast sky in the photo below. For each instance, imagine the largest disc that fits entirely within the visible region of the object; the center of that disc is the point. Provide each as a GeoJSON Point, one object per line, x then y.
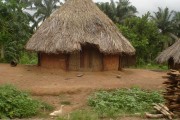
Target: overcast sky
{"type": "Point", "coordinates": [144, 6]}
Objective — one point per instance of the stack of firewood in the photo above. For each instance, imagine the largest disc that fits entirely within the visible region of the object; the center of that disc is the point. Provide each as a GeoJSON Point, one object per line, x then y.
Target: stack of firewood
{"type": "Point", "coordinates": [172, 94]}
{"type": "Point", "coordinates": [162, 111]}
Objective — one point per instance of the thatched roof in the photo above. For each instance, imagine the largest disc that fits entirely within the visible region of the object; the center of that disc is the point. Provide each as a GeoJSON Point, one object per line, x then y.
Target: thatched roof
{"type": "Point", "coordinates": [78, 22]}
{"type": "Point", "coordinates": [171, 52]}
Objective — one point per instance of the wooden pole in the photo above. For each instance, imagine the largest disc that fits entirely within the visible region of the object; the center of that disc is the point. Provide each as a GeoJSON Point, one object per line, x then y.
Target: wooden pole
{"type": "Point", "coordinates": [39, 58]}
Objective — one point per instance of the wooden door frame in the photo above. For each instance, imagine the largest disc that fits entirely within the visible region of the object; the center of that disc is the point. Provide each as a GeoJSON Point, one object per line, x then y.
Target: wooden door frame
{"type": "Point", "coordinates": [90, 56]}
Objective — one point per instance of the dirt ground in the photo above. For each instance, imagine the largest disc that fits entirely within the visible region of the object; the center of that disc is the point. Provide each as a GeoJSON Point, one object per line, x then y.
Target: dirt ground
{"type": "Point", "coordinates": [56, 86]}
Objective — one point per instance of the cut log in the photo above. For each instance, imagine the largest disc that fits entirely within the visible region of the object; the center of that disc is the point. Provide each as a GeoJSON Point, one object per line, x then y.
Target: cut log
{"type": "Point", "coordinates": [174, 106]}
{"type": "Point", "coordinates": [173, 70]}
{"type": "Point", "coordinates": [176, 73]}
{"type": "Point", "coordinates": [164, 112]}
{"type": "Point", "coordinates": [148, 115]}
{"type": "Point", "coordinates": [163, 106]}
{"type": "Point", "coordinates": [166, 108]}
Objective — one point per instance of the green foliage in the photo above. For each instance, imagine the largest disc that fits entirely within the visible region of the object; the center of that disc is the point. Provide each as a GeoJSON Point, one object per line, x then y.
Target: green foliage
{"type": "Point", "coordinates": [28, 58]}
{"type": "Point", "coordinates": [17, 104]}
{"type": "Point", "coordinates": [80, 115]}
{"type": "Point", "coordinates": [45, 106]}
{"type": "Point", "coordinates": [44, 8]}
{"type": "Point", "coordinates": [2, 60]}
{"type": "Point", "coordinates": [176, 23]}
{"type": "Point", "coordinates": [152, 66]}
{"type": "Point", "coordinates": [163, 19]}
{"type": "Point", "coordinates": [14, 30]}
{"type": "Point", "coordinates": [109, 9]}
{"type": "Point", "coordinates": [144, 36]}
{"type": "Point", "coordinates": [124, 101]}
{"type": "Point", "coordinates": [118, 11]}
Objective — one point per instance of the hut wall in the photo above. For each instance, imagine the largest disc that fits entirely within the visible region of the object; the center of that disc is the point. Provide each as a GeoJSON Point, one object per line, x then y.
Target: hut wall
{"type": "Point", "coordinates": [111, 62]}
{"type": "Point", "coordinates": [53, 60]}
{"type": "Point", "coordinates": [89, 59]}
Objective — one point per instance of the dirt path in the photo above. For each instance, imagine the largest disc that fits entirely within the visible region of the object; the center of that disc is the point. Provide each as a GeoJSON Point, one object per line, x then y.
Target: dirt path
{"type": "Point", "coordinates": [52, 82]}
{"type": "Point", "coordinates": [55, 86]}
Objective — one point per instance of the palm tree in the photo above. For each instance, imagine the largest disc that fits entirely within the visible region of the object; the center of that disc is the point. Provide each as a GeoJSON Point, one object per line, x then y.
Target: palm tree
{"type": "Point", "coordinates": [39, 10]}
{"type": "Point", "coordinates": [28, 3]}
{"type": "Point", "coordinates": [163, 19]}
{"type": "Point", "coordinates": [109, 9]}
{"type": "Point", "coordinates": [44, 8]}
{"type": "Point", "coordinates": [176, 23]}
{"type": "Point", "coordinates": [125, 10]}
{"type": "Point", "coordinates": [118, 11]}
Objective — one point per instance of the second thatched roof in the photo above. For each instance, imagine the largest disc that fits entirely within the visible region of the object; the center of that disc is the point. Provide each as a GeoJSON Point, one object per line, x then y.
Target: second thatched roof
{"type": "Point", "coordinates": [78, 22]}
{"type": "Point", "coordinates": [171, 52]}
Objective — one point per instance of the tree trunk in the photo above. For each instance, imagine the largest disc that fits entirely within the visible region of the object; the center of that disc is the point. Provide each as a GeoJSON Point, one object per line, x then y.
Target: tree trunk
{"type": "Point", "coordinates": [154, 115]}
{"type": "Point", "coordinates": [2, 52]}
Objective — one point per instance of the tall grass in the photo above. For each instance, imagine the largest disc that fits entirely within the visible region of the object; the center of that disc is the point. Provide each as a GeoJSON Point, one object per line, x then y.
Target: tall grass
{"type": "Point", "coordinates": [151, 65]}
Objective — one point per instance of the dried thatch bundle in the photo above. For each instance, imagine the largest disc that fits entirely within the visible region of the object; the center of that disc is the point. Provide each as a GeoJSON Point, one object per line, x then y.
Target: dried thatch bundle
{"type": "Point", "coordinates": [78, 22]}
{"type": "Point", "coordinates": [171, 52]}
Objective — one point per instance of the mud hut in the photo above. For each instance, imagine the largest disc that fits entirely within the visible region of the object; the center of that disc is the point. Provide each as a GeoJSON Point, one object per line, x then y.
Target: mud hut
{"type": "Point", "coordinates": [171, 55]}
{"type": "Point", "coordinates": [79, 36]}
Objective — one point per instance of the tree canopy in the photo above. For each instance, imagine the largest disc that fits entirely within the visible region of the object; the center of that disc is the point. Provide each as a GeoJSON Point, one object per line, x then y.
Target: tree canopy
{"type": "Point", "coordinates": [14, 29]}
{"type": "Point", "coordinates": [118, 11]}
{"type": "Point", "coordinates": [147, 45]}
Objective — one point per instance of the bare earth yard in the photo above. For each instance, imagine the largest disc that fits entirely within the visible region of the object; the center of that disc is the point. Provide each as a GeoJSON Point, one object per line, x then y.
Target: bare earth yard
{"type": "Point", "coordinates": [55, 86]}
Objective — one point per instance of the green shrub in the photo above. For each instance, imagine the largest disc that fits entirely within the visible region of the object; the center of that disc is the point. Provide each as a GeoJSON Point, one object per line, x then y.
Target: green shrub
{"type": "Point", "coordinates": [2, 60]}
{"type": "Point", "coordinates": [15, 103]}
{"type": "Point", "coordinates": [80, 115]}
{"type": "Point", "coordinates": [45, 106]}
{"type": "Point", "coordinates": [124, 101]}
{"type": "Point", "coordinates": [28, 58]}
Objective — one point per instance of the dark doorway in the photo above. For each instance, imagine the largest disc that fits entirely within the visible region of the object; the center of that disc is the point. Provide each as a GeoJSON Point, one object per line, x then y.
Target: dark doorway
{"type": "Point", "coordinates": [90, 58]}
